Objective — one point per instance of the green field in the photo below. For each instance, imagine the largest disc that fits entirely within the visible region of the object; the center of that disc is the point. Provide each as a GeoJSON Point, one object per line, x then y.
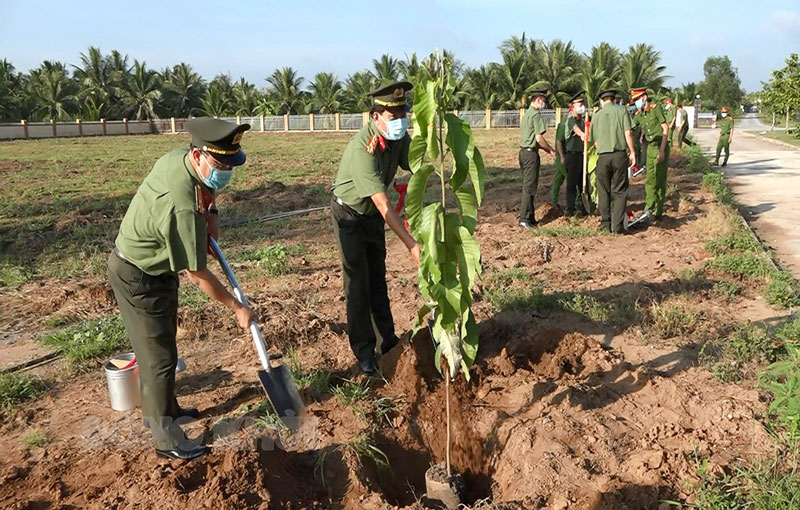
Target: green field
{"type": "Point", "coordinates": [783, 136]}
{"type": "Point", "coordinates": [64, 198]}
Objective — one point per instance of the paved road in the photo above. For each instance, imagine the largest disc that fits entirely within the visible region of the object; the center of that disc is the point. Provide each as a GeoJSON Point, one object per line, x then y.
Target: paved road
{"type": "Point", "coordinates": [765, 177]}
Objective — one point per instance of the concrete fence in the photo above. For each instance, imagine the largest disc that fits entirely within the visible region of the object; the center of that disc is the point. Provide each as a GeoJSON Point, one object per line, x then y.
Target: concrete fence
{"type": "Point", "coordinates": [477, 119]}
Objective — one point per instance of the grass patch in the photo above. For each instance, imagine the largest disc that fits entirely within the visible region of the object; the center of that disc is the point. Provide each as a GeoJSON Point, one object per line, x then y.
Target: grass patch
{"type": "Point", "coordinates": [715, 183]}
{"type": "Point", "coordinates": [696, 161]}
{"type": "Point", "coordinates": [316, 382]}
{"type": "Point", "coordinates": [782, 290]}
{"type": "Point", "coordinates": [35, 439]}
{"type": "Point", "coordinates": [671, 320]}
{"type": "Point", "coordinates": [273, 259]}
{"type": "Point", "coordinates": [730, 357]}
{"type": "Point", "coordinates": [351, 392]}
{"type": "Point", "coordinates": [791, 137]}
{"type": "Point", "coordinates": [190, 296]}
{"type": "Point", "coordinates": [743, 265]}
{"type": "Point", "coordinates": [588, 306]}
{"type": "Point", "coordinates": [83, 343]}
{"type": "Point", "coordinates": [738, 241]}
{"type": "Point", "coordinates": [516, 289]}
{"type": "Point", "coordinates": [727, 289]}
{"type": "Point", "coordinates": [574, 229]}
{"type": "Point", "coordinates": [17, 388]}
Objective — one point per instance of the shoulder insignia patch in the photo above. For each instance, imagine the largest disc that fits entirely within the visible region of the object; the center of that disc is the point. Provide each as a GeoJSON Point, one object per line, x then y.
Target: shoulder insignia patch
{"type": "Point", "coordinates": [375, 141]}
{"type": "Point", "coordinates": [198, 199]}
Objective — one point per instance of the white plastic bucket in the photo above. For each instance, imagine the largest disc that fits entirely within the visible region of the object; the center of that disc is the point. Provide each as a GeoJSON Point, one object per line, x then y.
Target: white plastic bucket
{"type": "Point", "coordinates": [123, 385]}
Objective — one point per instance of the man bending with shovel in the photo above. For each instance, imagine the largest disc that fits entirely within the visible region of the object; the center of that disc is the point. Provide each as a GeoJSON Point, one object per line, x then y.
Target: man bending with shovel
{"type": "Point", "coordinates": [165, 231]}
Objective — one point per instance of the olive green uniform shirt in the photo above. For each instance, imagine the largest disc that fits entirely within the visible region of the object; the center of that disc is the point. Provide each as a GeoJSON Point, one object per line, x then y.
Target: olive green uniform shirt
{"type": "Point", "coordinates": [725, 125]}
{"type": "Point", "coordinates": [531, 125]}
{"type": "Point", "coordinates": [362, 174]}
{"type": "Point", "coordinates": [669, 115]}
{"type": "Point", "coordinates": [574, 143]}
{"type": "Point", "coordinates": [608, 128]}
{"type": "Point", "coordinates": [561, 133]}
{"type": "Point", "coordinates": [164, 230]}
{"type": "Point", "coordinates": [651, 123]}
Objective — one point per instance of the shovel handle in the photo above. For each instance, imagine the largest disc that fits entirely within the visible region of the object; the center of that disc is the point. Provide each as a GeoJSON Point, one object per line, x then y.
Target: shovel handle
{"type": "Point", "coordinates": [258, 339]}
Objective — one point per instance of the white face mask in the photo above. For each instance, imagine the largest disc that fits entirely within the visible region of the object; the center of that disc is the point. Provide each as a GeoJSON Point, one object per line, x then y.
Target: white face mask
{"type": "Point", "coordinates": [580, 110]}
{"type": "Point", "coordinates": [667, 106]}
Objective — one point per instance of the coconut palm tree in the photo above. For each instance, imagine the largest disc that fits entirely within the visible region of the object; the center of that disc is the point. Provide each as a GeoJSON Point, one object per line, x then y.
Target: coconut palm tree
{"type": "Point", "coordinates": [245, 97]}
{"type": "Point", "coordinates": [94, 76]}
{"type": "Point", "coordinates": [410, 68]}
{"type": "Point", "coordinates": [183, 91]}
{"type": "Point", "coordinates": [356, 91]}
{"type": "Point", "coordinates": [640, 67]}
{"type": "Point", "coordinates": [599, 70]}
{"type": "Point", "coordinates": [556, 66]}
{"type": "Point", "coordinates": [225, 84]}
{"type": "Point", "coordinates": [481, 88]}
{"type": "Point", "coordinates": [511, 78]}
{"type": "Point", "coordinates": [387, 69]}
{"type": "Point", "coordinates": [53, 92]}
{"type": "Point", "coordinates": [214, 103]}
{"type": "Point", "coordinates": [10, 92]}
{"type": "Point", "coordinates": [285, 92]}
{"type": "Point", "coordinates": [326, 94]}
{"type": "Point", "coordinates": [686, 93]}
{"type": "Point", "coordinates": [140, 93]}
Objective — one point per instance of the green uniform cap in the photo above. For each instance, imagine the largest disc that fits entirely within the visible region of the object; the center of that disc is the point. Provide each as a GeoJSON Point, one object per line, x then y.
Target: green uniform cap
{"type": "Point", "coordinates": [539, 92]}
{"type": "Point", "coordinates": [607, 93]}
{"type": "Point", "coordinates": [577, 98]}
{"type": "Point", "coordinates": [218, 137]}
{"type": "Point", "coordinates": [392, 95]}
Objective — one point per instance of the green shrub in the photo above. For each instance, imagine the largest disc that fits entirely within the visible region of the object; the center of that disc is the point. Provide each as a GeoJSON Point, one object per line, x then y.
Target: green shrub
{"type": "Point", "coordinates": [588, 306]}
{"type": "Point", "coordinates": [789, 331]}
{"type": "Point", "coordinates": [715, 183]}
{"type": "Point", "coordinates": [739, 242]}
{"type": "Point", "coordinates": [16, 389]}
{"type": "Point", "coordinates": [83, 343]}
{"type": "Point", "coordinates": [728, 356]}
{"type": "Point", "coordinates": [727, 289]}
{"type": "Point", "coordinates": [782, 290]}
{"type": "Point", "coordinates": [671, 320]}
{"type": "Point", "coordinates": [273, 259]}
{"type": "Point", "coordinates": [36, 438]}
{"type": "Point", "coordinates": [696, 161]}
{"type": "Point", "coordinates": [782, 378]}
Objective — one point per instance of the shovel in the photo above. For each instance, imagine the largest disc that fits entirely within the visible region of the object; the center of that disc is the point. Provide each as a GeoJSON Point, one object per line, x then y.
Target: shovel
{"type": "Point", "coordinates": [277, 381]}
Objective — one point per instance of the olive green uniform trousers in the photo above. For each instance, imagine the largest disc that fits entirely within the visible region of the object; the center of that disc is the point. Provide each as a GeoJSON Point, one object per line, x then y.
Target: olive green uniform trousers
{"type": "Point", "coordinates": [558, 179]}
{"type": "Point", "coordinates": [529, 162]}
{"type": "Point", "coordinates": [362, 247]}
{"type": "Point", "coordinates": [149, 309]}
{"type": "Point", "coordinates": [655, 185]}
{"type": "Point", "coordinates": [612, 190]}
{"type": "Point", "coordinates": [723, 143]}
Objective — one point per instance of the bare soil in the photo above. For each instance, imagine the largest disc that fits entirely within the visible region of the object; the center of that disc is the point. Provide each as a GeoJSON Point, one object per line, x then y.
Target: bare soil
{"type": "Point", "coordinates": [561, 411]}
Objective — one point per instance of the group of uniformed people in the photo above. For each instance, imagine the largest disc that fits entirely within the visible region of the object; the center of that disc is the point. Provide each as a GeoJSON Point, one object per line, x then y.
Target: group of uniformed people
{"type": "Point", "coordinates": [169, 222]}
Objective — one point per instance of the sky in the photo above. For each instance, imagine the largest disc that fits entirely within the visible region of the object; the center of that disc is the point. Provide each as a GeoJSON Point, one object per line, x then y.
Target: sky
{"type": "Point", "coordinates": [251, 39]}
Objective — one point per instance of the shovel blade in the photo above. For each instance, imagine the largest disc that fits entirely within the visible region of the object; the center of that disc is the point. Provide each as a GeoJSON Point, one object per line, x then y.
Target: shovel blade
{"type": "Point", "coordinates": [283, 395]}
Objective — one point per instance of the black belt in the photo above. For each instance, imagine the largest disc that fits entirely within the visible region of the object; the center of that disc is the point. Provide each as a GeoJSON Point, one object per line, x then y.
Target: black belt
{"type": "Point", "coordinates": [120, 256]}
{"type": "Point", "coordinates": [529, 149]}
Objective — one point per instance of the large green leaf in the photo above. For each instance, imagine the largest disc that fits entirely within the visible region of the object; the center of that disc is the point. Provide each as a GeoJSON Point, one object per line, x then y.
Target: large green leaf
{"type": "Point", "coordinates": [416, 152]}
{"type": "Point", "coordinates": [424, 107]}
{"type": "Point", "coordinates": [477, 174]}
{"type": "Point", "coordinates": [469, 258]}
{"type": "Point", "coordinates": [416, 194]}
{"type": "Point", "coordinates": [469, 341]}
{"type": "Point", "coordinates": [468, 207]}
{"type": "Point", "coordinates": [449, 345]}
{"type": "Point", "coordinates": [462, 146]}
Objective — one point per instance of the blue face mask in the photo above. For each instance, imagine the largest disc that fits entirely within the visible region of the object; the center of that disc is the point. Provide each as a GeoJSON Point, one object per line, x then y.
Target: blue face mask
{"type": "Point", "coordinates": [396, 129]}
{"type": "Point", "coordinates": [218, 178]}
{"type": "Point", "coordinates": [724, 115]}
{"type": "Point", "coordinates": [639, 103]}
{"type": "Point", "coordinates": [632, 108]}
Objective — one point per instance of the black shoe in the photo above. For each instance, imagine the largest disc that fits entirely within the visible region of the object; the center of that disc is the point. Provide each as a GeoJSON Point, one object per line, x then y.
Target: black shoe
{"type": "Point", "coordinates": [528, 224]}
{"type": "Point", "coordinates": [604, 230]}
{"type": "Point", "coordinates": [181, 454]}
{"type": "Point", "coordinates": [183, 412]}
{"type": "Point", "coordinates": [368, 366]}
{"type": "Point", "coordinates": [569, 214]}
{"type": "Point", "coordinates": [724, 164]}
{"type": "Point", "coordinates": [388, 345]}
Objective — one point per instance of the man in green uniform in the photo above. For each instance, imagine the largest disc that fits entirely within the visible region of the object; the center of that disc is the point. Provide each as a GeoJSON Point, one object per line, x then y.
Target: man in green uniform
{"type": "Point", "coordinates": [655, 129]}
{"type": "Point", "coordinates": [165, 231]}
{"type": "Point", "coordinates": [669, 114]}
{"type": "Point", "coordinates": [531, 140]}
{"type": "Point", "coordinates": [360, 208]}
{"type": "Point", "coordinates": [725, 125]}
{"type": "Point", "coordinates": [561, 172]}
{"type": "Point", "coordinates": [575, 135]}
{"type": "Point", "coordinates": [636, 131]}
{"type": "Point", "coordinates": [611, 134]}
{"type": "Point", "coordinates": [681, 124]}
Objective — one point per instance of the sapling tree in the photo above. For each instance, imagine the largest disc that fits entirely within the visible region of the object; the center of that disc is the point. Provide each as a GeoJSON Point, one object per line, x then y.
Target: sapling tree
{"type": "Point", "coordinates": [444, 146]}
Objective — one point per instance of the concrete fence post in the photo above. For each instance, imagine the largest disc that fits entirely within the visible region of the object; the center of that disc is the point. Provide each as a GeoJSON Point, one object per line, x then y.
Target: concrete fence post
{"type": "Point", "coordinates": [125, 123]}
{"type": "Point", "coordinates": [80, 126]}
{"type": "Point", "coordinates": [24, 127]}
{"type": "Point", "coordinates": [311, 122]}
{"type": "Point", "coordinates": [558, 115]}
{"type": "Point", "coordinates": [286, 122]}
{"type": "Point", "coordinates": [488, 118]}
{"type": "Point", "coordinates": [53, 123]}
{"type": "Point", "coordinates": [521, 114]}
{"type": "Point", "coordinates": [103, 123]}
{"type": "Point", "coordinates": [238, 119]}
{"type": "Point", "coordinates": [337, 118]}
{"type": "Point", "coordinates": [364, 118]}
{"type": "Point", "coordinates": [262, 123]}
{"type": "Point", "coordinates": [172, 124]}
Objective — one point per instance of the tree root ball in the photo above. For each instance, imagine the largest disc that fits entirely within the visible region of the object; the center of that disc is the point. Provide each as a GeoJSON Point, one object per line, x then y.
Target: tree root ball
{"type": "Point", "coordinates": [442, 491]}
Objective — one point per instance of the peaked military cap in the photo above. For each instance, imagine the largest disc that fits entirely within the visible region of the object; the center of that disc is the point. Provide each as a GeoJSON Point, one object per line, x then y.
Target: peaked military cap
{"type": "Point", "coordinates": [577, 98]}
{"type": "Point", "coordinates": [392, 95]}
{"type": "Point", "coordinates": [637, 92]}
{"type": "Point", "coordinates": [539, 92]}
{"type": "Point", "coordinates": [607, 93]}
{"type": "Point", "coordinates": [219, 138]}
{"type": "Point", "coordinates": [725, 109]}
{"type": "Point", "coordinates": [668, 100]}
